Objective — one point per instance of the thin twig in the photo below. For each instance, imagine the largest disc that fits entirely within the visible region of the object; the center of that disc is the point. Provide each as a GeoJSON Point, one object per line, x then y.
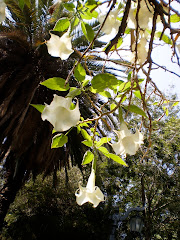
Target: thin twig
{"type": "Point", "coordinates": [164, 68]}
{"type": "Point", "coordinates": [90, 45]}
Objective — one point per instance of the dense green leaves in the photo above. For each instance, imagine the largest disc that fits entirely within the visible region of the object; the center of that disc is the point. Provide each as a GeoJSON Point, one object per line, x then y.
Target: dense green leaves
{"type": "Point", "coordinates": [56, 83]}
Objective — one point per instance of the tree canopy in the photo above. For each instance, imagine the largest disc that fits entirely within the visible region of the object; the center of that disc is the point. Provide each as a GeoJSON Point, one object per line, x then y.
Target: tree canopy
{"type": "Point", "coordinates": [68, 95]}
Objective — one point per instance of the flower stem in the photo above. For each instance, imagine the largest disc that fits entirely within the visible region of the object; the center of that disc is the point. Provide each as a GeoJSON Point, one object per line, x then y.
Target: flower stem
{"type": "Point", "coordinates": [94, 160]}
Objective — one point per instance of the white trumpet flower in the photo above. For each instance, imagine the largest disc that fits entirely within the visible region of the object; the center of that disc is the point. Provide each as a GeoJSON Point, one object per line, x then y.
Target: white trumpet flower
{"type": "Point", "coordinates": [60, 46]}
{"type": "Point", "coordinates": [144, 16]}
{"type": "Point", "coordinates": [128, 143]}
{"type": "Point", "coordinates": [111, 25]}
{"type": "Point", "coordinates": [90, 193]}
{"type": "Point", "coordinates": [59, 114]}
{"type": "Point", "coordinates": [141, 50]}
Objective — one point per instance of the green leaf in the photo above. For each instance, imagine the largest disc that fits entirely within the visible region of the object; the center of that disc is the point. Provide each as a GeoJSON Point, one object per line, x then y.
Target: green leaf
{"type": "Point", "coordinates": [74, 92]}
{"type": "Point", "coordinates": [88, 31]}
{"type": "Point", "coordinates": [112, 106]}
{"type": "Point", "coordinates": [112, 156]}
{"type": "Point", "coordinates": [59, 140]}
{"type": "Point", "coordinates": [87, 143]}
{"type": "Point", "coordinates": [72, 106]}
{"type": "Point", "coordinates": [86, 16]}
{"type": "Point", "coordinates": [56, 83]}
{"type": "Point", "coordinates": [165, 38]}
{"type": "Point", "coordinates": [85, 82]}
{"type": "Point", "coordinates": [137, 94]}
{"type": "Point", "coordinates": [175, 104]}
{"type": "Point", "coordinates": [117, 159]}
{"type": "Point", "coordinates": [105, 94]}
{"type": "Point", "coordinates": [74, 22]}
{"type": "Point", "coordinates": [69, 6]}
{"type": "Point", "coordinates": [87, 12]}
{"type": "Point", "coordinates": [39, 107]}
{"type": "Point", "coordinates": [119, 43]}
{"type": "Point", "coordinates": [85, 135]}
{"type": "Point", "coordinates": [174, 18]}
{"type": "Point", "coordinates": [104, 80]}
{"type": "Point", "coordinates": [88, 157]}
{"type": "Point", "coordinates": [135, 109]}
{"type": "Point", "coordinates": [28, 3]}
{"type": "Point", "coordinates": [124, 86]}
{"type": "Point", "coordinates": [103, 150]}
{"type": "Point", "coordinates": [21, 4]}
{"type": "Point", "coordinates": [102, 141]}
{"type": "Point", "coordinates": [80, 73]}
{"type": "Point", "coordinates": [61, 25]}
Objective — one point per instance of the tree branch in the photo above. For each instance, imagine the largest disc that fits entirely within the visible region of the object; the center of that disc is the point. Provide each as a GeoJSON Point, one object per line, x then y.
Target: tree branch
{"type": "Point", "coordinates": [122, 28]}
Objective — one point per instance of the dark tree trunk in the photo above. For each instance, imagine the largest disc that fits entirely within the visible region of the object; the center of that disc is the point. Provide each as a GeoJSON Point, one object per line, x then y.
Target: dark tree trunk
{"type": "Point", "coordinates": [147, 219]}
{"type": "Point", "coordinates": [9, 190]}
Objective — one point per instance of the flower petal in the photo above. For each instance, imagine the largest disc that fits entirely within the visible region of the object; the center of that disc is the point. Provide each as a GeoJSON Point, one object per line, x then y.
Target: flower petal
{"type": "Point", "coordinates": [60, 46]}
{"type": "Point", "coordinates": [130, 146]}
{"type": "Point", "coordinates": [138, 137]}
{"type": "Point", "coordinates": [96, 197]}
{"type": "Point", "coordinates": [124, 131]}
{"type": "Point", "coordinates": [99, 194]}
{"type": "Point", "coordinates": [111, 25]}
{"type": "Point", "coordinates": [118, 148]}
{"type": "Point", "coordinates": [81, 196]}
{"type": "Point", "coordinates": [53, 45]}
{"type": "Point", "coordinates": [91, 181]}
{"type": "Point", "coordinates": [141, 50]}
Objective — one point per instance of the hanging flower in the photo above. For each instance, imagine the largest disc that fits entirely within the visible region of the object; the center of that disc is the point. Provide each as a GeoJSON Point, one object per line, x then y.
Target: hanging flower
{"type": "Point", "coordinates": [90, 193]}
{"type": "Point", "coordinates": [111, 25]}
{"type": "Point", "coordinates": [128, 143]}
{"type": "Point", "coordinates": [141, 50]}
{"type": "Point", "coordinates": [60, 46]}
{"type": "Point", "coordinates": [144, 16]}
{"type": "Point", "coordinates": [59, 114]}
